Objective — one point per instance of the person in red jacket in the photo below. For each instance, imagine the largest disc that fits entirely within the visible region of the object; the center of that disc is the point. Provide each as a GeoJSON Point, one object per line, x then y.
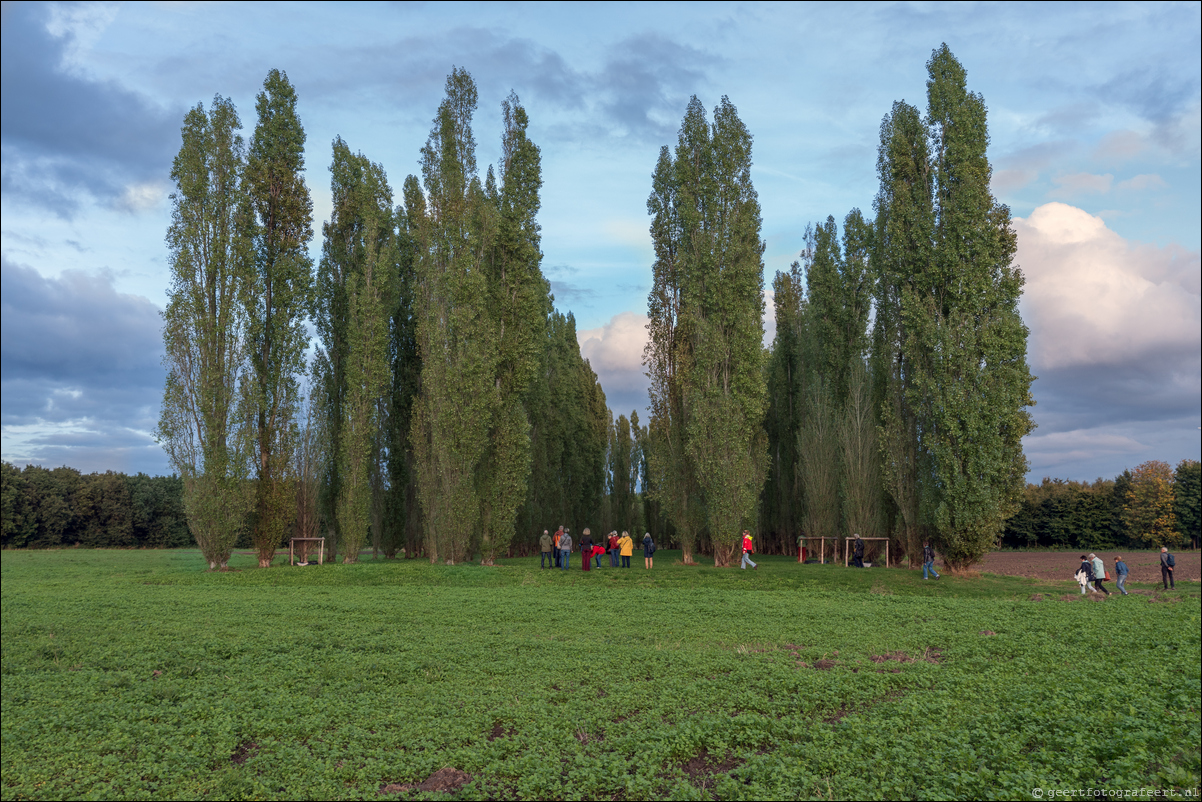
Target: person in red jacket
{"type": "Point", "coordinates": [748, 549]}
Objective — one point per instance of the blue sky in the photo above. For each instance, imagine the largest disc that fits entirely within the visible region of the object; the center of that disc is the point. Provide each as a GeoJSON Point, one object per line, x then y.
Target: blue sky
{"type": "Point", "coordinates": [1094, 113]}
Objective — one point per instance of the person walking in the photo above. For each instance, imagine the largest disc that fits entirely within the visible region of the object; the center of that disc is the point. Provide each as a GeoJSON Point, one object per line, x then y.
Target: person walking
{"type": "Point", "coordinates": [555, 543]}
{"type": "Point", "coordinates": [627, 547]}
{"type": "Point", "coordinates": [648, 549]}
{"type": "Point", "coordinates": [1084, 575]}
{"type": "Point", "coordinates": [748, 550]}
{"type": "Point", "coordinates": [613, 549]}
{"type": "Point", "coordinates": [928, 560]}
{"type": "Point", "coordinates": [1167, 563]}
{"type": "Point", "coordinates": [565, 550]}
{"type": "Point", "coordinates": [544, 551]}
{"type": "Point", "coordinates": [1120, 574]}
{"type": "Point", "coordinates": [1099, 573]}
{"type": "Point", "coordinates": [857, 553]}
{"type": "Point", "coordinates": [586, 549]}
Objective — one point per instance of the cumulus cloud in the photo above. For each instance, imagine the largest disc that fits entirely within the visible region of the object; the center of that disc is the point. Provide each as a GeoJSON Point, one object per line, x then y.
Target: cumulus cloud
{"type": "Point", "coordinates": [65, 136]}
{"type": "Point", "coordinates": [615, 351]}
{"type": "Point", "coordinates": [1094, 298]}
{"type": "Point", "coordinates": [80, 366]}
{"type": "Point", "coordinates": [1116, 330]}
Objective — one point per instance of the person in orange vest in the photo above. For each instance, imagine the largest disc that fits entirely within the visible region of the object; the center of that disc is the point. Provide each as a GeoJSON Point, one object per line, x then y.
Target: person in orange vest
{"type": "Point", "coordinates": [555, 539]}
{"type": "Point", "coordinates": [748, 548]}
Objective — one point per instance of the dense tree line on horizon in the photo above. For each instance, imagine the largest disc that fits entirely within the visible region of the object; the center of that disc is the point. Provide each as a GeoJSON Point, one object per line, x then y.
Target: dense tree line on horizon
{"type": "Point", "coordinates": [61, 507]}
{"type": "Point", "coordinates": [51, 508]}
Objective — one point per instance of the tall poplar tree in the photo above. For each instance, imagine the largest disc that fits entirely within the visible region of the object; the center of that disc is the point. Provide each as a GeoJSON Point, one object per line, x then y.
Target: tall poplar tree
{"type": "Point", "coordinates": [707, 319]}
{"type": "Point", "coordinates": [782, 500]}
{"type": "Point", "coordinates": [971, 383]}
{"type": "Point", "coordinates": [354, 286]}
{"type": "Point", "coordinates": [202, 426]}
{"type": "Point", "coordinates": [672, 483]}
{"type": "Point", "coordinates": [568, 419]}
{"type": "Point", "coordinates": [519, 303]}
{"type": "Point", "coordinates": [902, 249]}
{"type": "Point", "coordinates": [456, 340]}
{"type": "Point", "coordinates": [402, 519]}
{"type": "Point", "coordinates": [278, 302]}
{"type": "Point", "coordinates": [955, 383]}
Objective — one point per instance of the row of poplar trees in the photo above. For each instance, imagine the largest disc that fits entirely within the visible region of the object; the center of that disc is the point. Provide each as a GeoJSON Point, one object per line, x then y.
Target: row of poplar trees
{"type": "Point", "coordinates": [448, 404]}
{"type": "Point", "coordinates": [892, 402]}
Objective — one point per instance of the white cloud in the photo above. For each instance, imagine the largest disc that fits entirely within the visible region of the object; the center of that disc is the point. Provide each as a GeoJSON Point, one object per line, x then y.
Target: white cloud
{"type": "Point", "coordinates": [615, 350]}
{"type": "Point", "coordinates": [141, 197]}
{"type": "Point", "coordinates": [1094, 298]}
{"type": "Point", "coordinates": [769, 316]}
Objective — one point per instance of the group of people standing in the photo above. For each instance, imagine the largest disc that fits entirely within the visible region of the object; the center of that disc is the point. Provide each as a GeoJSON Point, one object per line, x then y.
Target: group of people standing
{"type": "Point", "coordinates": [556, 549]}
{"type": "Point", "coordinates": [1092, 573]}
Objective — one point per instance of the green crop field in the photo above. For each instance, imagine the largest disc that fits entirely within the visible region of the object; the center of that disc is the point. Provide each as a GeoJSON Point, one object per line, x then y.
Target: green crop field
{"type": "Point", "coordinates": [136, 674]}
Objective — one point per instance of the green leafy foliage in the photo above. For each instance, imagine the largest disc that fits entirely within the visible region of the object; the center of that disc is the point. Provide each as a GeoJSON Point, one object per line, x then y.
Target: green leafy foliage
{"type": "Point", "coordinates": [682, 682]}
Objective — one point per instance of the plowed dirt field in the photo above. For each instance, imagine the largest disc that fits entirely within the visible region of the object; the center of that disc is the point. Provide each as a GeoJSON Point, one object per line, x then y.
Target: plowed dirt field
{"type": "Point", "coordinates": [1144, 565]}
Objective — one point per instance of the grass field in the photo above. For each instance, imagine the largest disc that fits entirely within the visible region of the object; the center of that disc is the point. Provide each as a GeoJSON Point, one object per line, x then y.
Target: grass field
{"type": "Point", "coordinates": [136, 674]}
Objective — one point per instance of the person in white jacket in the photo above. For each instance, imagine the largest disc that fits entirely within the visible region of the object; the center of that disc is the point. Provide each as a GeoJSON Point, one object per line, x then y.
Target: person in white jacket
{"type": "Point", "coordinates": [1099, 573]}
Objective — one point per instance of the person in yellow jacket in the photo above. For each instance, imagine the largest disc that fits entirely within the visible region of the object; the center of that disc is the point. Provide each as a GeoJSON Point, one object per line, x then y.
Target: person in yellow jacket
{"type": "Point", "coordinates": [626, 546]}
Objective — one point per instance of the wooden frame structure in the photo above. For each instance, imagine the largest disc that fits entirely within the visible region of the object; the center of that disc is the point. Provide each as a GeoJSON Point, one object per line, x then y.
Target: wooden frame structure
{"type": "Point", "coordinates": [849, 539]}
{"type": "Point", "coordinates": [821, 546]}
{"type": "Point", "coordinates": [321, 549]}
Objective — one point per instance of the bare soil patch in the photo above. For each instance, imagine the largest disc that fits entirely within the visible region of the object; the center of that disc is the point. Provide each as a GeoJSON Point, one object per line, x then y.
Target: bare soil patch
{"type": "Point", "coordinates": [499, 731]}
{"type": "Point", "coordinates": [446, 780]}
{"type": "Point", "coordinates": [702, 768]}
{"type": "Point", "coordinates": [245, 751]}
{"type": "Point", "coordinates": [1061, 565]}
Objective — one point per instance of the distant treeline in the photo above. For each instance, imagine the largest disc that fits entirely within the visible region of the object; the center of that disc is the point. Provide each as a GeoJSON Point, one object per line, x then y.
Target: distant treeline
{"type": "Point", "coordinates": [47, 509]}
{"type": "Point", "coordinates": [1144, 508]}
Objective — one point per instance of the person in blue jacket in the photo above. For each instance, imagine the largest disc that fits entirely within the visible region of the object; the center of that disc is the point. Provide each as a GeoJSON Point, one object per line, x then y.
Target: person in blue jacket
{"type": "Point", "coordinates": [1120, 574]}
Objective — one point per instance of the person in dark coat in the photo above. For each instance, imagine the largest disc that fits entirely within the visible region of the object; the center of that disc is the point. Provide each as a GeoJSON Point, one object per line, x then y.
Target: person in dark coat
{"type": "Point", "coordinates": [1084, 575]}
{"type": "Point", "coordinates": [544, 551]}
{"type": "Point", "coordinates": [586, 549]}
{"type": "Point", "coordinates": [857, 554]}
{"type": "Point", "coordinates": [648, 550]}
{"type": "Point", "coordinates": [1167, 563]}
